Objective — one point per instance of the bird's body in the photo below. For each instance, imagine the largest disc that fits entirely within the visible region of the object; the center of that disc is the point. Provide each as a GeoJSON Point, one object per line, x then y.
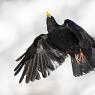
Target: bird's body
{"type": "Point", "coordinates": [50, 49]}
{"type": "Point", "coordinates": [63, 39]}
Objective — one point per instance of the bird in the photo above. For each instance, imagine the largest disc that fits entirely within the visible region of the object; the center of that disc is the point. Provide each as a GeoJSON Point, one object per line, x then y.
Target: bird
{"type": "Point", "coordinates": [49, 51]}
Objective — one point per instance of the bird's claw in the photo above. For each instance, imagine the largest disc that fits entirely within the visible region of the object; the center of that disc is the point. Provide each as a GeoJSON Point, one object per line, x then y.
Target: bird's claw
{"type": "Point", "coordinates": [79, 56]}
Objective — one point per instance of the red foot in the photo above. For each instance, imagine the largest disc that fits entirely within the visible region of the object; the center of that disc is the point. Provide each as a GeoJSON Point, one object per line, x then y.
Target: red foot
{"type": "Point", "coordinates": [79, 57]}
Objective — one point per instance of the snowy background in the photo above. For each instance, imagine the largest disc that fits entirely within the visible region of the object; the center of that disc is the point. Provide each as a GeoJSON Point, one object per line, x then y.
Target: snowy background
{"type": "Point", "coordinates": [23, 20]}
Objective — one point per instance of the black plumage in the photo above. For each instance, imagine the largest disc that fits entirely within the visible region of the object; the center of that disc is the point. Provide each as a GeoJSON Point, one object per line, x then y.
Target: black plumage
{"type": "Point", "coordinates": [48, 51]}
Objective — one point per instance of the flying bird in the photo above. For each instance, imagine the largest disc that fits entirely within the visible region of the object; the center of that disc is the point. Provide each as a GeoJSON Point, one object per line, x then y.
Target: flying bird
{"type": "Point", "coordinates": [48, 51]}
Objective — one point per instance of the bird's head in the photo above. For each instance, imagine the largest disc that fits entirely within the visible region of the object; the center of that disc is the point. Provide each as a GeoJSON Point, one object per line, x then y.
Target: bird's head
{"type": "Point", "coordinates": [51, 22]}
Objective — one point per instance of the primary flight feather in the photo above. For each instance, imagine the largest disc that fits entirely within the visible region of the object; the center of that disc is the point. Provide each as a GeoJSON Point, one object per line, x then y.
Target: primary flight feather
{"type": "Point", "coordinates": [48, 51]}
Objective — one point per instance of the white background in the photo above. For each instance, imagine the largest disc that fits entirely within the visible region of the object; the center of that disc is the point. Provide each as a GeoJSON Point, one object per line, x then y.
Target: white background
{"type": "Point", "coordinates": [23, 20]}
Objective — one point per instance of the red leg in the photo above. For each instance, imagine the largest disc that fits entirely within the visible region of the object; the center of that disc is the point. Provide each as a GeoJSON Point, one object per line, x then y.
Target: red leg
{"type": "Point", "coordinates": [79, 56]}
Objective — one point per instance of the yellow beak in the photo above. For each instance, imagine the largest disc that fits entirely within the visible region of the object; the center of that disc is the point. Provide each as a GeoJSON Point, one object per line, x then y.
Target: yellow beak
{"type": "Point", "coordinates": [48, 14]}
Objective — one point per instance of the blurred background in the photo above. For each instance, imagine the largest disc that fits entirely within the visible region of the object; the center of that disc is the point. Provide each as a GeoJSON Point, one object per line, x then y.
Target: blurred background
{"type": "Point", "coordinates": [23, 20]}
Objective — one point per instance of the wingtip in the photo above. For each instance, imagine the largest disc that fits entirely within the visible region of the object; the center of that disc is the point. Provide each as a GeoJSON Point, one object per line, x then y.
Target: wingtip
{"type": "Point", "coordinates": [20, 57]}
{"type": "Point", "coordinates": [15, 74]}
{"type": "Point", "coordinates": [17, 60]}
{"type": "Point", "coordinates": [20, 81]}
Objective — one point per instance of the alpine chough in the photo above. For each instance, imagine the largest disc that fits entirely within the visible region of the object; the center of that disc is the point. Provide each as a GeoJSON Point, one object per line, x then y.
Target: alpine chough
{"type": "Point", "coordinates": [48, 51]}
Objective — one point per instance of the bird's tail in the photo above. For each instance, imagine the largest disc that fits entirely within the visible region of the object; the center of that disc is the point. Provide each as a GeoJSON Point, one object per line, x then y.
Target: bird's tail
{"type": "Point", "coordinates": [84, 66]}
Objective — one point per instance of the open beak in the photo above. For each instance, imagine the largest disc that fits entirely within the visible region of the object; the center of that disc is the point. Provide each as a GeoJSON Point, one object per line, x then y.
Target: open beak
{"type": "Point", "coordinates": [48, 14]}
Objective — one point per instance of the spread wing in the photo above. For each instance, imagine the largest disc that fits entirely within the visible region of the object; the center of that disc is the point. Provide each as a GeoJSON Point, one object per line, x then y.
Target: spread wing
{"type": "Point", "coordinates": [40, 58]}
{"type": "Point", "coordinates": [87, 44]}
{"type": "Point", "coordinates": [85, 40]}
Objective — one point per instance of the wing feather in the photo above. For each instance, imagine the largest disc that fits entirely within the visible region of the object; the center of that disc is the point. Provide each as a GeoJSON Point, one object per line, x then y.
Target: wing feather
{"type": "Point", "coordinates": [31, 67]}
{"type": "Point", "coordinates": [34, 72]}
{"type": "Point", "coordinates": [38, 76]}
{"type": "Point", "coordinates": [85, 40]}
{"type": "Point", "coordinates": [24, 72]}
{"type": "Point", "coordinates": [39, 58]}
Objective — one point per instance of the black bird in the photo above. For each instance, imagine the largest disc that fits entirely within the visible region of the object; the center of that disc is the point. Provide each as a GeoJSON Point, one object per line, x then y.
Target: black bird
{"type": "Point", "coordinates": [48, 51]}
